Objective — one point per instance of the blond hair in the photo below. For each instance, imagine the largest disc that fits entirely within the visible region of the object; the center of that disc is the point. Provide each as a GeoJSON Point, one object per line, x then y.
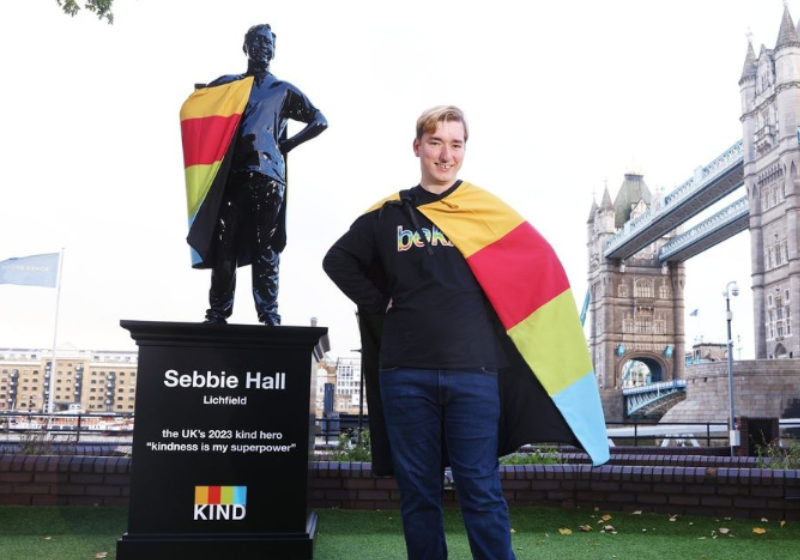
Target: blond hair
{"type": "Point", "coordinates": [430, 119]}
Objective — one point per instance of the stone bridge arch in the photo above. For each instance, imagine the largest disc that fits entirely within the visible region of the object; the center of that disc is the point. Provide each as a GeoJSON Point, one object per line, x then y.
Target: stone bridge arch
{"type": "Point", "coordinates": [655, 364]}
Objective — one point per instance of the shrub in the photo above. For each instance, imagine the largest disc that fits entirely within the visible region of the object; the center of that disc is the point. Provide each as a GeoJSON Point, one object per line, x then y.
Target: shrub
{"type": "Point", "coordinates": [779, 457]}
{"type": "Point", "coordinates": [350, 449]}
{"type": "Point", "coordinates": [39, 442]}
{"type": "Point", "coordinates": [544, 456]}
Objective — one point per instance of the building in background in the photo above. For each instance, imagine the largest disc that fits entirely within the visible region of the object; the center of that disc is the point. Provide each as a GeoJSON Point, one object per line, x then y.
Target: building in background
{"type": "Point", "coordinates": [707, 352]}
{"type": "Point", "coordinates": [343, 376]}
{"type": "Point", "coordinates": [85, 380]}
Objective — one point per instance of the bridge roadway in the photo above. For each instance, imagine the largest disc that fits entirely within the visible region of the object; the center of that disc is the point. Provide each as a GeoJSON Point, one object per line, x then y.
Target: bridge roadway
{"type": "Point", "coordinates": [733, 219]}
{"type": "Point", "coordinates": [709, 184]}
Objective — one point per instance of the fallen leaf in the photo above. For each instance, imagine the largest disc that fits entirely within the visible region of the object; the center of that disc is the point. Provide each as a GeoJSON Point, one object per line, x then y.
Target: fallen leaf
{"type": "Point", "coordinates": [724, 530]}
{"type": "Point", "coordinates": [101, 554]}
{"type": "Point", "coordinates": [565, 531]}
{"type": "Point", "coordinates": [673, 517]}
{"type": "Point", "coordinates": [783, 522]}
{"type": "Point", "coordinates": [764, 520]}
{"type": "Point", "coordinates": [644, 530]}
{"type": "Point", "coordinates": [596, 508]}
{"type": "Point", "coordinates": [701, 538]}
{"type": "Point", "coordinates": [691, 522]}
{"type": "Point", "coordinates": [637, 512]}
{"type": "Point", "coordinates": [759, 530]}
{"type": "Point", "coordinates": [585, 529]}
{"type": "Point", "coordinates": [609, 528]}
{"type": "Point", "coordinates": [513, 531]}
{"type": "Point", "coordinates": [47, 538]}
{"type": "Point", "coordinates": [606, 517]}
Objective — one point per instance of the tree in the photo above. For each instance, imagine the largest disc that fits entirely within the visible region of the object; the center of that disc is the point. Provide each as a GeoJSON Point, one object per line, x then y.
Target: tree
{"type": "Point", "coordinates": [101, 8]}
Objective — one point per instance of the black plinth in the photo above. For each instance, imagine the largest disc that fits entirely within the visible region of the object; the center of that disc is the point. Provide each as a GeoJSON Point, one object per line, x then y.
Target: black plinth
{"type": "Point", "coordinates": [223, 433]}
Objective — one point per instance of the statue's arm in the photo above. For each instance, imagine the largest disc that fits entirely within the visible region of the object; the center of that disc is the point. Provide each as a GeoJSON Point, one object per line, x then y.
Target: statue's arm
{"type": "Point", "coordinates": [299, 108]}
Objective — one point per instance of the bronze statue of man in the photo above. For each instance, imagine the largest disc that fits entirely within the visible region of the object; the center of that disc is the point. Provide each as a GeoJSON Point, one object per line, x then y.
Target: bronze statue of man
{"type": "Point", "coordinates": [235, 142]}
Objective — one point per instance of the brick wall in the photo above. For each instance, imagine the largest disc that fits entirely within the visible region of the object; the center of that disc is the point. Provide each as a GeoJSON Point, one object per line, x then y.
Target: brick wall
{"type": "Point", "coordinates": [719, 486]}
{"type": "Point", "coordinates": [708, 491]}
{"type": "Point", "coordinates": [64, 480]}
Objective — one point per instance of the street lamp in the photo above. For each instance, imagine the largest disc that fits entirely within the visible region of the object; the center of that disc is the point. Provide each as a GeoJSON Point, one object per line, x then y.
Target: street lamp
{"type": "Point", "coordinates": [733, 433]}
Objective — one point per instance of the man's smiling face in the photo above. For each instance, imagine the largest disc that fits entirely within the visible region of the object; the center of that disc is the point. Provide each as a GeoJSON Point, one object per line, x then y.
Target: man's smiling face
{"type": "Point", "coordinates": [441, 153]}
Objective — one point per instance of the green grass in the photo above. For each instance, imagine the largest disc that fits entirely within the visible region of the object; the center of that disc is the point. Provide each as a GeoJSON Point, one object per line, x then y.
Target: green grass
{"type": "Point", "coordinates": [74, 533]}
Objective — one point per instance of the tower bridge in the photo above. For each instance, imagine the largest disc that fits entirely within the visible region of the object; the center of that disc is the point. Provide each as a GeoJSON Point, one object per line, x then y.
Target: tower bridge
{"type": "Point", "coordinates": [637, 246]}
{"type": "Point", "coordinates": [708, 185]}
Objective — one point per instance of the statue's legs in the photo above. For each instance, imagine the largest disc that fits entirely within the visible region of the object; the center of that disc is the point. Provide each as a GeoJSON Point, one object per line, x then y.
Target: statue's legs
{"type": "Point", "coordinates": [223, 273]}
{"type": "Point", "coordinates": [265, 198]}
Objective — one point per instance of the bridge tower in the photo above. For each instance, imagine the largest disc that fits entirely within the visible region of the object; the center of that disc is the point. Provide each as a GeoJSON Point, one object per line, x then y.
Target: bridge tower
{"type": "Point", "coordinates": [770, 91]}
{"type": "Point", "coordinates": [636, 305]}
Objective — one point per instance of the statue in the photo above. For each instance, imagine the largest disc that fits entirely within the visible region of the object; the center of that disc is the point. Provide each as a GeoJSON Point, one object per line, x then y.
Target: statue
{"type": "Point", "coordinates": [235, 143]}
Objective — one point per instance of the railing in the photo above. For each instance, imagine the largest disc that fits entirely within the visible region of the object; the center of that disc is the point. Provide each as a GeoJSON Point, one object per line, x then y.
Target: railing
{"type": "Point", "coordinates": [720, 164]}
{"type": "Point", "coordinates": [638, 398]}
{"type": "Point", "coordinates": [714, 434]}
{"type": "Point", "coordinates": [328, 429]}
{"type": "Point", "coordinates": [70, 426]}
{"type": "Point", "coordinates": [727, 215]}
{"type": "Point", "coordinates": [661, 385]}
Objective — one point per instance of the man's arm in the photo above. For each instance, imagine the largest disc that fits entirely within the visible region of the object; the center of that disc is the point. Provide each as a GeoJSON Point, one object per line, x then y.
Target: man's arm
{"type": "Point", "coordinates": [299, 108]}
{"type": "Point", "coordinates": [350, 262]}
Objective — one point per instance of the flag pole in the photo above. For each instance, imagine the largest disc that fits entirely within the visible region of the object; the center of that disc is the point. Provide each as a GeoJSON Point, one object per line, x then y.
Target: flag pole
{"type": "Point", "coordinates": [52, 384]}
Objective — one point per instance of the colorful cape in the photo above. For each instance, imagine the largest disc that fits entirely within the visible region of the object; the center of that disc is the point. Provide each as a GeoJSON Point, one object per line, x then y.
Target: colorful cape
{"type": "Point", "coordinates": [209, 121]}
{"type": "Point", "coordinates": [528, 289]}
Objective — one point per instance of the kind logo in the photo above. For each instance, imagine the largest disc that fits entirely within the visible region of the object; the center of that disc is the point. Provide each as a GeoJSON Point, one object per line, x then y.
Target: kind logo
{"type": "Point", "coordinates": [220, 503]}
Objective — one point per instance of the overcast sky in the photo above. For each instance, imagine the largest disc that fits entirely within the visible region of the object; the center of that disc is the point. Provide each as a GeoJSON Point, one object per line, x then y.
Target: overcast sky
{"type": "Point", "coordinates": [560, 97]}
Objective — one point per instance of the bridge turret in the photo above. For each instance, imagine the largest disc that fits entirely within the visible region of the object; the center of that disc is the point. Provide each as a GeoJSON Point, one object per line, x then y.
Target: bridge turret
{"type": "Point", "coordinates": [747, 83]}
{"type": "Point", "coordinates": [787, 74]}
{"type": "Point", "coordinates": [607, 214]}
{"type": "Point", "coordinates": [787, 36]}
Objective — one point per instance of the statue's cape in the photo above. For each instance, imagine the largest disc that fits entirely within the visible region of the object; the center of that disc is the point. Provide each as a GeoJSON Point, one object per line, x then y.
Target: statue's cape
{"type": "Point", "coordinates": [209, 121]}
{"type": "Point", "coordinates": [549, 392]}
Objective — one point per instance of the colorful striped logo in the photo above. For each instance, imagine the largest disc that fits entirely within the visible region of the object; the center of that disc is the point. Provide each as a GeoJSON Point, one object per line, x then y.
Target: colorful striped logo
{"type": "Point", "coordinates": [220, 495]}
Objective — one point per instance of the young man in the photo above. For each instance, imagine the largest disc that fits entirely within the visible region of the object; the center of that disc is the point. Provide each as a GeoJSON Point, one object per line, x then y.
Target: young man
{"type": "Point", "coordinates": [420, 266]}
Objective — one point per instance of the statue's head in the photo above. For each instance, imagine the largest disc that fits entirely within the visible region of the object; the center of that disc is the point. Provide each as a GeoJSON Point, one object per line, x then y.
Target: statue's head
{"type": "Point", "coordinates": [259, 43]}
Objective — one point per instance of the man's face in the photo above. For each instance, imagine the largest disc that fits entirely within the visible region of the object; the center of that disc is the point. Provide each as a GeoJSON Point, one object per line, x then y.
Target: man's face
{"type": "Point", "coordinates": [260, 46]}
{"type": "Point", "coordinates": [440, 154]}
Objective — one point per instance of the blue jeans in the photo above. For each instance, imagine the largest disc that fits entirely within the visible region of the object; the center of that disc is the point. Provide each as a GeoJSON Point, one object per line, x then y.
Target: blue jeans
{"type": "Point", "coordinates": [461, 408]}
